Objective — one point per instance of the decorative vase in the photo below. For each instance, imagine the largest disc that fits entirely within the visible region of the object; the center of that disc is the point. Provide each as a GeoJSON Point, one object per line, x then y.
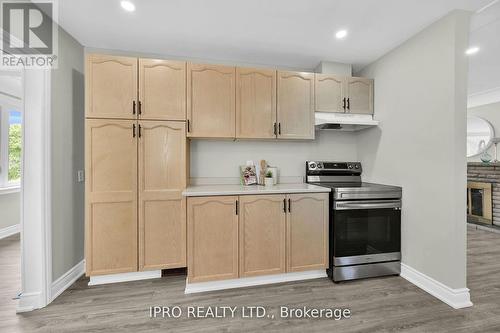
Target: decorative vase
{"type": "Point", "coordinates": [485, 157]}
{"type": "Point", "coordinates": [268, 181]}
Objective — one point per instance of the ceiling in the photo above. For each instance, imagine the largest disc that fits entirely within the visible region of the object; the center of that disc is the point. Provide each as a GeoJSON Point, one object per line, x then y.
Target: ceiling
{"type": "Point", "coordinates": [294, 34]}
{"type": "Point", "coordinates": [484, 67]}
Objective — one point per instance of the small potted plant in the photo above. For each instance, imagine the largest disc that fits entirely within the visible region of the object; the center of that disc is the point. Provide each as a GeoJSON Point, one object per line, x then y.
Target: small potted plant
{"type": "Point", "coordinates": [268, 181]}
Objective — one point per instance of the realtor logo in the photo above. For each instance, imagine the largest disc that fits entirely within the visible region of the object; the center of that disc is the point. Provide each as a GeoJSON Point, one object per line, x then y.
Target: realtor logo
{"type": "Point", "coordinates": [29, 34]}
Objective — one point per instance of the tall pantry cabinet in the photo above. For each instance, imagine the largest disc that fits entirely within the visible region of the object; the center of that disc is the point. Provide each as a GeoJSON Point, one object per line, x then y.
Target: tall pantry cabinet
{"type": "Point", "coordinates": [136, 169]}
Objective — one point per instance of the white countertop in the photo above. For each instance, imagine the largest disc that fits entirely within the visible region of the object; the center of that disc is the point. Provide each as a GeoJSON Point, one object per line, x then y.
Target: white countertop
{"type": "Point", "coordinates": [208, 190]}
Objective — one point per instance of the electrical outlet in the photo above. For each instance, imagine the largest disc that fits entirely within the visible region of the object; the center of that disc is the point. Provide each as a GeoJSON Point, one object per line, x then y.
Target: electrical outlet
{"type": "Point", "coordinates": [80, 176]}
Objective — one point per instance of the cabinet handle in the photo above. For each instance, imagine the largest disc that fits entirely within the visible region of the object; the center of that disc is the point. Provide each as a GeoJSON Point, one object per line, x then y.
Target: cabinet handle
{"type": "Point", "coordinates": [348, 103]}
{"type": "Point", "coordinates": [279, 128]}
{"type": "Point", "coordinates": [140, 130]}
{"type": "Point", "coordinates": [139, 107]}
{"type": "Point", "coordinates": [188, 127]}
{"type": "Point", "coordinates": [275, 130]}
{"type": "Point", "coordinates": [133, 107]}
{"type": "Point", "coordinates": [343, 103]}
{"type": "Point", "coordinates": [284, 206]}
{"type": "Point", "coordinates": [289, 205]}
{"type": "Point", "coordinates": [133, 130]}
{"type": "Point", "coordinates": [237, 207]}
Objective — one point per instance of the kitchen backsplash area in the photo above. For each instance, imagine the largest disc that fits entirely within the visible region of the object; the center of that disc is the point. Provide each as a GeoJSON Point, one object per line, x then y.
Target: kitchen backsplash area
{"type": "Point", "coordinates": [217, 161]}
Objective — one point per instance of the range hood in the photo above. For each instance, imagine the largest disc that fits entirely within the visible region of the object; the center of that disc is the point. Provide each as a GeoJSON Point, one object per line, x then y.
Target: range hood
{"type": "Point", "coordinates": [343, 121]}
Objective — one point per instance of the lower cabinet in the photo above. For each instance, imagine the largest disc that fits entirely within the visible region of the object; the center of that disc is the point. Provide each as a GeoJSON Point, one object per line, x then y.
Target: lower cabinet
{"type": "Point", "coordinates": [307, 232]}
{"type": "Point", "coordinates": [212, 238]}
{"type": "Point", "coordinates": [111, 196]}
{"type": "Point", "coordinates": [231, 237]}
{"type": "Point", "coordinates": [262, 234]}
{"type": "Point", "coordinates": [135, 211]}
{"type": "Point", "coordinates": [162, 209]}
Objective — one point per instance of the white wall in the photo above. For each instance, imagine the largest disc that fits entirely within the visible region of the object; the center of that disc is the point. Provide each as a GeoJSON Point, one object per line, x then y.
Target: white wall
{"type": "Point", "coordinates": [420, 99]}
{"type": "Point", "coordinates": [220, 159]}
{"type": "Point", "coordinates": [10, 208]}
{"type": "Point", "coordinates": [67, 138]}
{"type": "Point", "coordinates": [491, 113]}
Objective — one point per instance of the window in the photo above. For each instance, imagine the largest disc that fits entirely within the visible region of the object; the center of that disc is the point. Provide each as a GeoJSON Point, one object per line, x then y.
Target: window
{"type": "Point", "coordinates": [10, 147]}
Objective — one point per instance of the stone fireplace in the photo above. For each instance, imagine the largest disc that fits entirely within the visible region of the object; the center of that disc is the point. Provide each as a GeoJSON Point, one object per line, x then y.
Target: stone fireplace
{"type": "Point", "coordinates": [483, 193]}
{"type": "Point", "coordinates": [479, 204]}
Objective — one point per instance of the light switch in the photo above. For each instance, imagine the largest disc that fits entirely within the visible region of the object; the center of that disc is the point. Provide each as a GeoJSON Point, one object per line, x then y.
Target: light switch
{"type": "Point", "coordinates": [80, 176]}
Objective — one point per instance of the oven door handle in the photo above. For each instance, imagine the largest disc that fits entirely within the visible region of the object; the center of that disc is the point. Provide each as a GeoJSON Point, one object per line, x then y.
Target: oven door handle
{"type": "Point", "coordinates": [368, 204]}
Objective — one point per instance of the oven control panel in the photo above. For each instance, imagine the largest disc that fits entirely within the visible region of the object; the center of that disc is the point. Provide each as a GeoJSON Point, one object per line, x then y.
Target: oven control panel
{"type": "Point", "coordinates": [318, 167]}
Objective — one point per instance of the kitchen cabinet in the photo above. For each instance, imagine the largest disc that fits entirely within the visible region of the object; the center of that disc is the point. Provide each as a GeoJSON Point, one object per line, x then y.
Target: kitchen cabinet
{"type": "Point", "coordinates": [212, 238]}
{"type": "Point", "coordinates": [111, 87]}
{"type": "Point", "coordinates": [162, 89]}
{"type": "Point", "coordinates": [162, 209]}
{"type": "Point", "coordinates": [251, 235]}
{"type": "Point", "coordinates": [262, 235]}
{"type": "Point", "coordinates": [111, 196]}
{"type": "Point", "coordinates": [255, 103]}
{"type": "Point", "coordinates": [343, 94]}
{"type": "Point", "coordinates": [329, 93]}
{"type": "Point", "coordinates": [359, 92]}
{"type": "Point", "coordinates": [307, 232]}
{"type": "Point", "coordinates": [211, 101]}
{"type": "Point", "coordinates": [295, 105]}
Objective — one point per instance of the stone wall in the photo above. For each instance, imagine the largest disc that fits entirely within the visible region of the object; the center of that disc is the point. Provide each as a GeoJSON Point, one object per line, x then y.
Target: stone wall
{"type": "Point", "coordinates": [487, 173]}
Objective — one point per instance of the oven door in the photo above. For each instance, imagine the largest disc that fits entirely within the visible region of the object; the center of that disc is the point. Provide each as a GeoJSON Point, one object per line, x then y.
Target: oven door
{"type": "Point", "coordinates": [366, 231]}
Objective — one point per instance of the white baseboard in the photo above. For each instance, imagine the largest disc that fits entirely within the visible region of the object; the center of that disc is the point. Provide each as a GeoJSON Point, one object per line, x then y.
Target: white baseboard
{"type": "Point", "coordinates": [66, 280]}
{"type": "Point", "coordinates": [29, 302]}
{"type": "Point", "coordinates": [200, 287]}
{"type": "Point", "coordinates": [456, 298]}
{"type": "Point", "coordinates": [9, 231]}
{"type": "Point", "coordinates": [124, 277]}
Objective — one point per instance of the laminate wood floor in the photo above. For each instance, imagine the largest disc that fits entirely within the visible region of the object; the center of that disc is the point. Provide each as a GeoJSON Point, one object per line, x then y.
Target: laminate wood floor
{"type": "Point", "coordinates": [378, 305]}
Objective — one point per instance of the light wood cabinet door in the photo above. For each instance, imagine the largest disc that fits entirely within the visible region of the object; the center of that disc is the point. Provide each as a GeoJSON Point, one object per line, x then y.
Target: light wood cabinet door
{"type": "Point", "coordinates": [162, 209]}
{"type": "Point", "coordinates": [262, 235]}
{"type": "Point", "coordinates": [255, 103]}
{"type": "Point", "coordinates": [329, 93]}
{"type": "Point", "coordinates": [111, 197]}
{"type": "Point", "coordinates": [211, 101]}
{"type": "Point", "coordinates": [307, 232]}
{"type": "Point", "coordinates": [295, 108]}
{"type": "Point", "coordinates": [162, 89]}
{"type": "Point", "coordinates": [212, 238]}
{"type": "Point", "coordinates": [360, 95]}
{"type": "Point", "coordinates": [111, 87]}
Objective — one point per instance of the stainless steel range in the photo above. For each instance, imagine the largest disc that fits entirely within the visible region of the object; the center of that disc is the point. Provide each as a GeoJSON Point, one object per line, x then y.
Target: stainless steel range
{"type": "Point", "coordinates": [365, 221]}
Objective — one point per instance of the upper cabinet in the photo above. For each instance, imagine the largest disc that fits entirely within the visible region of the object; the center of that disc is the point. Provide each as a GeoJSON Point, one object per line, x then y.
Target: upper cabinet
{"type": "Point", "coordinates": [255, 103]}
{"type": "Point", "coordinates": [330, 91]}
{"type": "Point", "coordinates": [295, 107]}
{"type": "Point", "coordinates": [359, 95]}
{"type": "Point", "coordinates": [343, 94]}
{"type": "Point", "coordinates": [162, 89]}
{"type": "Point", "coordinates": [211, 101]}
{"type": "Point", "coordinates": [111, 87]}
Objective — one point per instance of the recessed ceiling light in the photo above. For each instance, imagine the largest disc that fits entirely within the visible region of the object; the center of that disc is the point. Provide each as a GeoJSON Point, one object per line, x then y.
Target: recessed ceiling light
{"type": "Point", "coordinates": [472, 50]}
{"type": "Point", "coordinates": [341, 34]}
{"type": "Point", "coordinates": [128, 6]}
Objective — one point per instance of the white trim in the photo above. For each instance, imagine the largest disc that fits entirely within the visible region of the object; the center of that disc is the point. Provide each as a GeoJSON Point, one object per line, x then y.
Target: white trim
{"type": "Point", "coordinates": [10, 190]}
{"type": "Point", "coordinates": [200, 287]}
{"type": "Point", "coordinates": [483, 98]}
{"type": "Point", "coordinates": [31, 301]}
{"type": "Point", "coordinates": [36, 269]}
{"type": "Point", "coordinates": [124, 277]}
{"type": "Point", "coordinates": [67, 279]}
{"type": "Point", "coordinates": [456, 298]}
{"type": "Point", "coordinates": [10, 230]}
